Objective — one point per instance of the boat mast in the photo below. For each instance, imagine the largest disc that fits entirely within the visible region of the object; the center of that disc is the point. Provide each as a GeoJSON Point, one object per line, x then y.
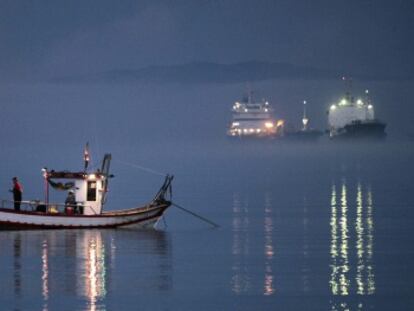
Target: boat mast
{"type": "Point", "coordinates": [106, 162]}
{"type": "Point", "coordinates": [305, 120]}
{"type": "Point", "coordinates": [348, 89]}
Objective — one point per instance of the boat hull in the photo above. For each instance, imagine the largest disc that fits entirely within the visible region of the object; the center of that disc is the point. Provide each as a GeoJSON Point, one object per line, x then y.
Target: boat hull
{"type": "Point", "coordinates": [303, 136]}
{"type": "Point", "coordinates": [361, 131]}
{"type": "Point", "coordinates": [142, 217]}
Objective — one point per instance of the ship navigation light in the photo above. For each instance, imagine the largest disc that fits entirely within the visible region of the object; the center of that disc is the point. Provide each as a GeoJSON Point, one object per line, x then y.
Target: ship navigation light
{"type": "Point", "coordinates": [370, 106]}
{"type": "Point", "coordinates": [359, 102]}
{"type": "Point", "coordinates": [333, 107]}
{"type": "Point", "coordinates": [269, 125]}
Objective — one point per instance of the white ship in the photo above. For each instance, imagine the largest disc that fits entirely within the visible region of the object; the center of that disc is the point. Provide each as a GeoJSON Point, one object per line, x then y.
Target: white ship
{"type": "Point", "coordinates": [354, 118]}
{"type": "Point", "coordinates": [254, 119]}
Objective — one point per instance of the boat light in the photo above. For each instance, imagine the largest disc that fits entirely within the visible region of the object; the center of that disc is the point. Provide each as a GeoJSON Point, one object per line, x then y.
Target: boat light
{"type": "Point", "coordinates": [258, 130]}
{"type": "Point", "coordinates": [370, 106]}
{"type": "Point", "coordinates": [280, 123]}
{"type": "Point", "coordinates": [235, 123]}
{"type": "Point", "coordinates": [359, 102]}
{"type": "Point", "coordinates": [91, 177]}
{"type": "Point", "coordinates": [266, 110]}
{"type": "Point", "coordinates": [44, 172]}
{"type": "Point", "coordinates": [333, 107]}
{"type": "Point", "coordinates": [245, 130]}
{"type": "Point", "coordinates": [343, 102]}
{"type": "Point", "coordinates": [269, 125]}
{"type": "Point", "coordinates": [246, 110]}
{"type": "Point", "coordinates": [251, 130]}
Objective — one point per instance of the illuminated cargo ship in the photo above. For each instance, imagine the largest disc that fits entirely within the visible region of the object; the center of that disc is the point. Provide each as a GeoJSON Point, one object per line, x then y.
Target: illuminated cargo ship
{"type": "Point", "coordinates": [354, 119]}
{"type": "Point", "coordinates": [254, 119]}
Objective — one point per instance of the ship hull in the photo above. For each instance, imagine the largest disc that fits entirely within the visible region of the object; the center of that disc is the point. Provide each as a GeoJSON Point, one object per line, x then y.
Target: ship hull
{"type": "Point", "coordinates": [303, 136]}
{"type": "Point", "coordinates": [142, 217]}
{"type": "Point", "coordinates": [361, 131]}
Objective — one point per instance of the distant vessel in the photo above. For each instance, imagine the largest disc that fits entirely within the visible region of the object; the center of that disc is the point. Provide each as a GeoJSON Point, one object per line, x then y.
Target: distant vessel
{"type": "Point", "coordinates": [354, 119]}
{"type": "Point", "coordinates": [305, 133]}
{"type": "Point", "coordinates": [254, 119]}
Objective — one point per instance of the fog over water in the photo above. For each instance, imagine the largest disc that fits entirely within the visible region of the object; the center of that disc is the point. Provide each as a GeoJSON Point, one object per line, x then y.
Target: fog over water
{"type": "Point", "coordinates": [160, 125]}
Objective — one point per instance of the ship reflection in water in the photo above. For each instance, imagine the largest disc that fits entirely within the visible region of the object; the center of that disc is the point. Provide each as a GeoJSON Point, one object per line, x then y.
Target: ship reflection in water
{"type": "Point", "coordinates": [244, 276]}
{"type": "Point", "coordinates": [352, 269]}
{"type": "Point", "coordinates": [80, 265]}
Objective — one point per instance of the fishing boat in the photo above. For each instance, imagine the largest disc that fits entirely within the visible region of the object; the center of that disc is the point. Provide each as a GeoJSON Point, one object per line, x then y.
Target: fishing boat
{"type": "Point", "coordinates": [90, 189]}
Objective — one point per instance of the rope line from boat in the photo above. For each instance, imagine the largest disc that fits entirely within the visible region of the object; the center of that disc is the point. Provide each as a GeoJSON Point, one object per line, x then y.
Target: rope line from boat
{"type": "Point", "coordinates": [196, 215]}
{"type": "Point", "coordinates": [143, 168]}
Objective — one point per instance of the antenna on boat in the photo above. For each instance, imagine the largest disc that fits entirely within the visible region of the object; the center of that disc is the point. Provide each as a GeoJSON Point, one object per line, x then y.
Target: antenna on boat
{"type": "Point", "coordinates": [348, 88]}
{"type": "Point", "coordinates": [86, 156]}
{"type": "Point", "coordinates": [367, 97]}
{"type": "Point", "coordinates": [249, 93]}
{"type": "Point", "coordinates": [305, 120]}
{"type": "Point", "coordinates": [106, 162]}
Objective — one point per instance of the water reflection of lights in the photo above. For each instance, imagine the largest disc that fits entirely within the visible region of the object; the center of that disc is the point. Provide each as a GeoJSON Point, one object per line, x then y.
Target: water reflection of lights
{"type": "Point", "coordinates": [269, 287]}
{"type": "Point", "coordinates": [240, 248]}
{"type": "Point", "coordinates": [94, 270]}
{"type": "Point", "coordinates": [344, 267]}
{"type": "Point", "coordinates": [242, 278]}
{"type": "Point", "coordinates": [341, 281]}
{"type": "Point", "coordinates": [45, 275]}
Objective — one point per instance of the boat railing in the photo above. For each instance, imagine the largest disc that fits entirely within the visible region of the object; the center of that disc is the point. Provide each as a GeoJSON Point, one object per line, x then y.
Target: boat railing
{"type": "Point", "coordinates": [48, 208]}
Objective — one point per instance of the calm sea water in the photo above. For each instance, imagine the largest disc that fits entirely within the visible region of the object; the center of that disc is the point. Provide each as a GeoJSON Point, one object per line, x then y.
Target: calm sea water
{"type": "Point", "coordinates": [318, 227]}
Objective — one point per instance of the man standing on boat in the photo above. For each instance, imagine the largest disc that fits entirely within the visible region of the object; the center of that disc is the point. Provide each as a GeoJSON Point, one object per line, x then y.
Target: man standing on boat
{"type": "Point", "coordinates": [17, 193]}
{"type": "Point", "coordinates": [70, 201]}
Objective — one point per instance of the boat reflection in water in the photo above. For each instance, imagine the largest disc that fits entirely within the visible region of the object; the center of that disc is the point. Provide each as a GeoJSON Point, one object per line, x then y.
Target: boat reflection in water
{"type": "Point", "coordinates": [352, 269]}
{"type": "Point", "coordinates": [245, 276]}
{"type": "Point", "coordinates": [93, 272]}
{"type": "Point", "coordinates": [79, 265]}
{"type": "Point", "coordinates": [84, 271]}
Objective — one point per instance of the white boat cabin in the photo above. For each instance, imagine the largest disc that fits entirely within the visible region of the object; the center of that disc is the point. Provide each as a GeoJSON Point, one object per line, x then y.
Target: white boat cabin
{"type": "Point", "coordinates": [89, 188]}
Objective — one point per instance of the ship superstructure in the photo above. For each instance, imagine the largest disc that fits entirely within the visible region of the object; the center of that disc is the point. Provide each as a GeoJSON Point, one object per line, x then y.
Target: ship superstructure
{"type": "Point", "coordinates": [354, 118]}
{"type": "Point", "coordinates": [254, 119]}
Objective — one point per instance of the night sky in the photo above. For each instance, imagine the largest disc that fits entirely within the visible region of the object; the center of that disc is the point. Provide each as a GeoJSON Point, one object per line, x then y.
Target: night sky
{"type": "Point", "coordinates": [54, 37]}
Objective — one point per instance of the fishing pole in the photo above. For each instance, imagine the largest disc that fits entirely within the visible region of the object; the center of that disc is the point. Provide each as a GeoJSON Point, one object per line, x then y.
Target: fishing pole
{"type": "Point", "coordinates": [196, 215]}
